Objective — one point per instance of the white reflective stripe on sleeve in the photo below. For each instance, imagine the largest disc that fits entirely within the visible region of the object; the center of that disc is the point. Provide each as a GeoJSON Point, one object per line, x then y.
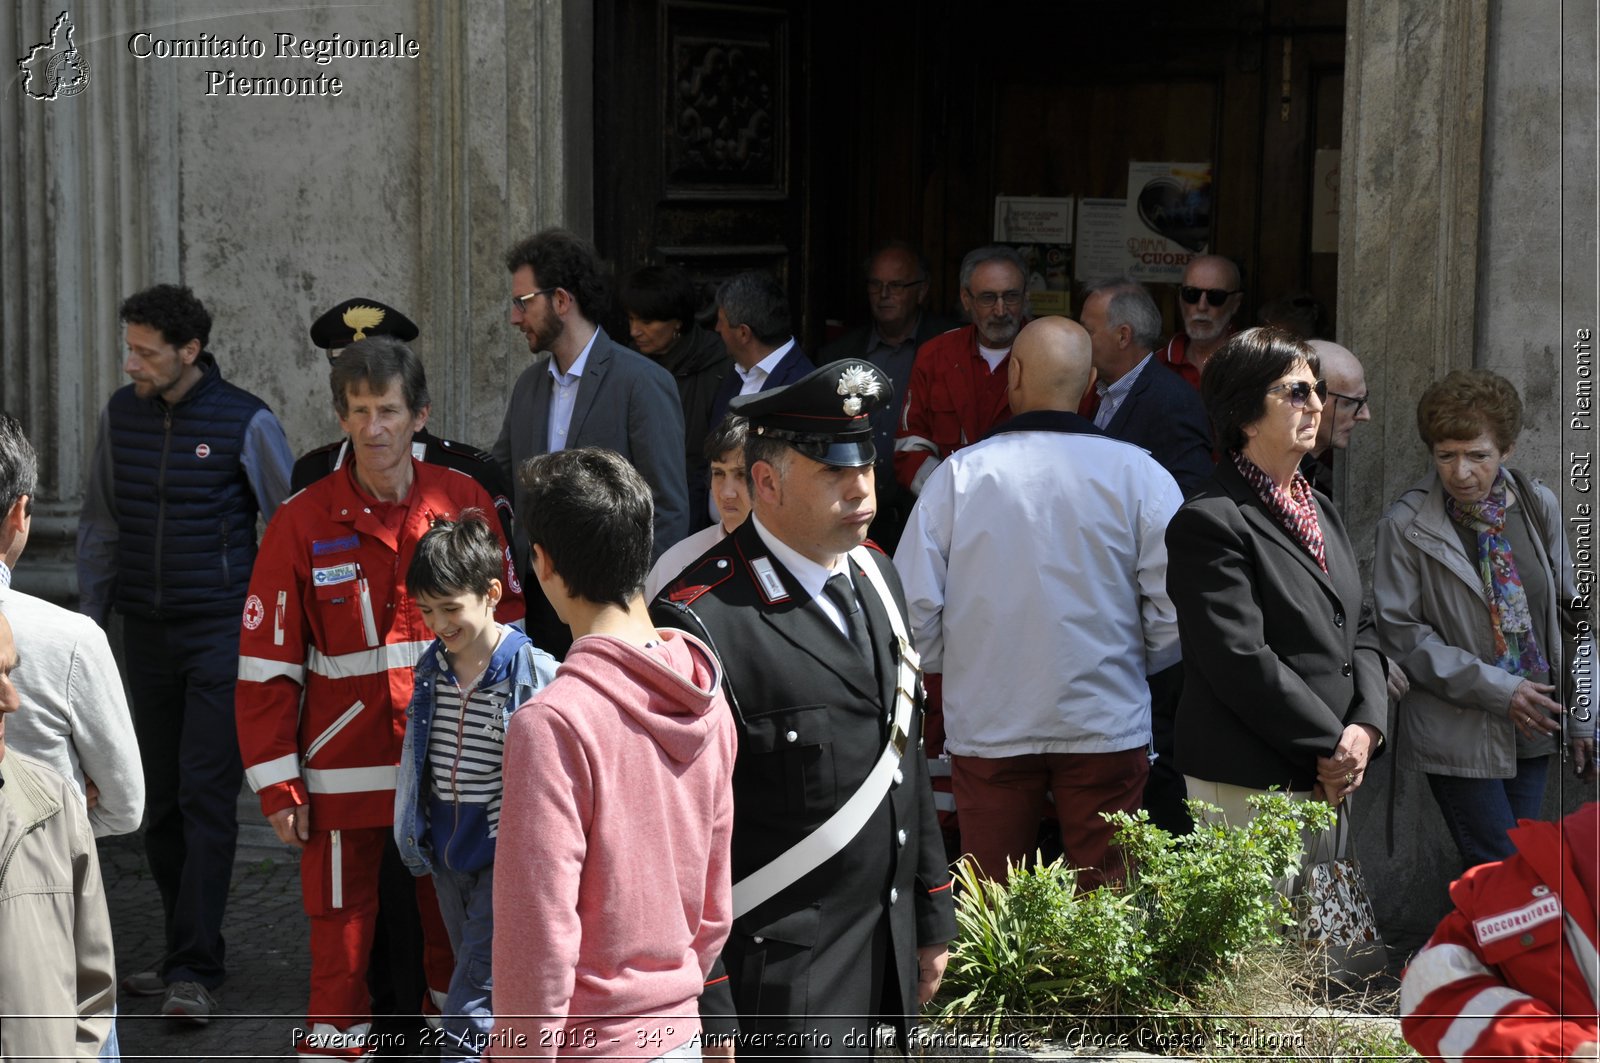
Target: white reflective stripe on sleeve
{"type": "Point", "coordinates": [336, 860]}
{"type": "Point", "coordinates": [281, 769]}
{"type": "Point", "coordinates": [913, 444]}
{"type": "Point", "coordinates": [938, 768]}
{"type": "Point", "coordinates": [1474, 1018]}
{"type": "Point", "coordinates": [1435, 967]}
{"type": "Point", "coordinates": [349, 780]}
{"type": "Point", "coordinates": [943, 802]}
{"type": "Point", "coordinates": [375, 661]}
{"type": "Point", "coordinates": [260, 670]}
{"type": "Point", "coordinates": [924, 471]}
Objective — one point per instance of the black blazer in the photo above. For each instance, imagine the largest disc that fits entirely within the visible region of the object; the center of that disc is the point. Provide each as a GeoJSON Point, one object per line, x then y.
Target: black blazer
{"type": "Point", "coordinates": [813, 719]}
{"type": "Point", "coordinates": [1165, 416]}
{"type": "Point", "coordinates": [1272, 673]}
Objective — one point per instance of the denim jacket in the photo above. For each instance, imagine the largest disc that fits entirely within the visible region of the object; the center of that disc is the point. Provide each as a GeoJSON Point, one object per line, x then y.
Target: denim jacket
{"type": "Point", "coordinates": [530, 668]}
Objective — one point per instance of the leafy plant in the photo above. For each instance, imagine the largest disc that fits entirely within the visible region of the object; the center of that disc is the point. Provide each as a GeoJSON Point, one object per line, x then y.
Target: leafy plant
{"type": "Point", "coordinates": [1192, 909]}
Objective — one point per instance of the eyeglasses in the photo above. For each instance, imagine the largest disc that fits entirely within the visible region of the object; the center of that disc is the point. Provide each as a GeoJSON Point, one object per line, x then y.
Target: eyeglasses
{"type": "Point", "coordinates": [1213, 296]}
{"type": "Point", "coordinates": [1300, 392]}
{"type": "Point", "coordinates": [892, 287]}
{"type": "Point", "coordinates": [987, 300]}
{"type": "Point", "coordinates": [519, 303]}
{"type": "Point", "coordinates": [1360, 402]}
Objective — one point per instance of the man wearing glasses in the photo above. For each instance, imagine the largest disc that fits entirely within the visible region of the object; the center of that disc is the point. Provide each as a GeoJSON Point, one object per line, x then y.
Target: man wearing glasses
{"type": "Point", "coordinates": [587, 391]}
{"type": "Point", "coordinates": [1347, 406]}
{"type": "Point", "coordinates": [958, 381]}
{"type": "Point", "coordinates": [897, 294]}
{"type": "Point", "coordinates": [1208, 298]}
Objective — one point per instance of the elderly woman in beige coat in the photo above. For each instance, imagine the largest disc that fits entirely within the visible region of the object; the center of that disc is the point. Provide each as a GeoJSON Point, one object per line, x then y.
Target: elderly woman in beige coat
{"type": "Point", "coordinates": [58, 988]}
{"type": "Point", "coordinates": [1471, 578]}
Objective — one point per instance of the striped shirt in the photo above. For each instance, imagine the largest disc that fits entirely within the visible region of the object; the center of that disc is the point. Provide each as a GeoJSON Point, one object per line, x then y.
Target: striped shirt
{"type": "Point", "coordinates": [466, 746]}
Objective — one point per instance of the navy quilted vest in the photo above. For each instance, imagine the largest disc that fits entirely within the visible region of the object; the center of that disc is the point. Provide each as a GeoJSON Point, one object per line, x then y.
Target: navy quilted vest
{"type": "Point", "coordinates": [186, 515]}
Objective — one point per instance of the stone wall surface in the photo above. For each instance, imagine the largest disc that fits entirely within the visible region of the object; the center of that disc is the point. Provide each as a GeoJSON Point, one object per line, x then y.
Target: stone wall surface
{"type": "Point", "coordinates": [407, 186]}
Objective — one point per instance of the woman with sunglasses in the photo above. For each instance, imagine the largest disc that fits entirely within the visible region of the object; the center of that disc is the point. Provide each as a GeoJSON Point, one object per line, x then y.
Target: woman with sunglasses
{"type": "Point", "coordinates": [1471, 579]}
{"type": "Point", "coordinates": [1276, 692]}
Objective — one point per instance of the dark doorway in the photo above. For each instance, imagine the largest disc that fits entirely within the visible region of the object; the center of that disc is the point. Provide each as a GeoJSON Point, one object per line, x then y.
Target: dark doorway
{"type": "Point", "coordinates": [794, 136]}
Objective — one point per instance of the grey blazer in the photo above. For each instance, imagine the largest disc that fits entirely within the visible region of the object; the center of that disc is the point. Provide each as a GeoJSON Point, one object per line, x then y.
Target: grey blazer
{"type": "Point", "coordinates": [626, 403]}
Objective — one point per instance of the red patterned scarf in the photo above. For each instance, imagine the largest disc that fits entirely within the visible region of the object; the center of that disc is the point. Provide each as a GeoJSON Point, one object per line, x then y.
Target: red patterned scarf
{"type": "Point", "coordinates": [1294, 508]}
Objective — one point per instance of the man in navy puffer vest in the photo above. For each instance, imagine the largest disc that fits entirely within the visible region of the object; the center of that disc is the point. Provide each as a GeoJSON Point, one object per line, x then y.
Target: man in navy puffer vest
{"type": "Point", "coordinates": [184, 464]}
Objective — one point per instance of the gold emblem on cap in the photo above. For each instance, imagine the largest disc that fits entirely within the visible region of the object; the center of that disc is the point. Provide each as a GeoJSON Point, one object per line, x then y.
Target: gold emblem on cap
{"type": "Point", "coordinates": [856, 383]}
{"type": "Point", "coordinates": [361, 318]}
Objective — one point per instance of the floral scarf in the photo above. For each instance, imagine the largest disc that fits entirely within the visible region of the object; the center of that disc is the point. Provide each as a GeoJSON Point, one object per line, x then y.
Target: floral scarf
{"type": "Point", "coordinates": [1294, 508]}
{"type": "Point", "coordinates": [1516, 649]}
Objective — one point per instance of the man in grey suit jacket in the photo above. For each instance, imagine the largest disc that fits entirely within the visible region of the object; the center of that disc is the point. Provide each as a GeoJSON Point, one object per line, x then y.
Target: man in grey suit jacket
{"type": "Point", "coordinates": [587, 391]}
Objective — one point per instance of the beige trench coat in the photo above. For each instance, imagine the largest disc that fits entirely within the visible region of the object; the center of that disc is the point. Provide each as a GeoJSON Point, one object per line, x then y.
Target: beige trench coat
{"type": "Point", "coordinates": [1433, 619]}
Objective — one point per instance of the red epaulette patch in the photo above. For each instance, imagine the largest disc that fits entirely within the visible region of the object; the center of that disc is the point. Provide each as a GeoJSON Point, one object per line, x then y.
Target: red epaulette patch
{"type": "Point", "coordinates": [700, 579]}
{"type": "Point", "coordinates": [870, 545]}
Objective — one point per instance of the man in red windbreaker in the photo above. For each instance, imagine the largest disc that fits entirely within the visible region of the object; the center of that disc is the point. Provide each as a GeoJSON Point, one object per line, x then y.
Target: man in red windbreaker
{"type": "Point", "coordinates": [1513, 972]}
{"type": "Point", "coordinates": [329, 638]}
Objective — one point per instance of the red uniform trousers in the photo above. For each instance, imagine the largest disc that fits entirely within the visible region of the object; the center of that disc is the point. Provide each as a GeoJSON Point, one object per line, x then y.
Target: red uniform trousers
{"type": "Point", "coordinates": [339, 888]}
{"type": "Point", "coordinates": [1001, 801]}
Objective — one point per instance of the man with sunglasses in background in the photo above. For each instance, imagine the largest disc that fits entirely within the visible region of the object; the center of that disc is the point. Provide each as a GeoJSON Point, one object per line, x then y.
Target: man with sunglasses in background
{"type": "Point", "coordinates": [357, 319]}
{"type": "Point", "coordinates": [897, 296]}
{"type": "Point", "coordinates": [1208, 299]}
{"type": "Point", "coordinates": [584, 390]}
{"type": "Point", "coordinates": [958, 381]}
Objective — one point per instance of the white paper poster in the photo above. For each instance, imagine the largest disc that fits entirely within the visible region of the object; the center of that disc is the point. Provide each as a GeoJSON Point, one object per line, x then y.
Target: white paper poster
{"type": "Point", "coordinates": [1032, 220]}
{"type": "Point", "coordinates": [1102, 248]}
{"type": "Point", "coordinates": [1167, 217]}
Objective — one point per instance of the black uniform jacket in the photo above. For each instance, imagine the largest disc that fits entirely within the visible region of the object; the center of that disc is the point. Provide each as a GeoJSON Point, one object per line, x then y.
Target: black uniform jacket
{"type": "Point", "coordinates": [1273, 669]}
{"type": "Point", "coordinates": [313, 465]}
{"type": "Point", "coordinates": [813, 719]}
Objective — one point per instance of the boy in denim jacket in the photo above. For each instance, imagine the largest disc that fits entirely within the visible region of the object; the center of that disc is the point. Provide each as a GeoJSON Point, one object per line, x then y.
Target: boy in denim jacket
{"type": "Point", "coordinates": [447, 797]}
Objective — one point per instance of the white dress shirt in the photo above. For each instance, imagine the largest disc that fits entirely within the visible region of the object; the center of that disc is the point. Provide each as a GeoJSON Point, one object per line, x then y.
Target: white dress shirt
{"type": "Point", "coordinates": [564, 396]}
{"type": "Point", "coordinates": [753, 378]}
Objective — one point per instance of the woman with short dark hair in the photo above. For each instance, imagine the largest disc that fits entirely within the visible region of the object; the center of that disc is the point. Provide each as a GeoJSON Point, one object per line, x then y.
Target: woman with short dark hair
{"type": "Point", "coordinates": [1471, 578]}
{"type": "Point", "coordinates": [1276, 692]}
{"type": "Point", "coordinates": [660, 302]}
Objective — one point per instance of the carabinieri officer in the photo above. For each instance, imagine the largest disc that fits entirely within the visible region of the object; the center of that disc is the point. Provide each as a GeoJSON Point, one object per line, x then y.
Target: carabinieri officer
{"type": "Point", "coordinates": [841, 891]}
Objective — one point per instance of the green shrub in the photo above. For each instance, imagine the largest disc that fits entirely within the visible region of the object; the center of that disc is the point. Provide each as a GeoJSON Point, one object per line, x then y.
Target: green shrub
{"type": "Point", "coordinates": [1191, 909]}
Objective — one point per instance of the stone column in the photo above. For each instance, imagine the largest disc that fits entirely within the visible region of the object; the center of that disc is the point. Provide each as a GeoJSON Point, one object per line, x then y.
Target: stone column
{"type": "Point", "coordinates": [505, 131]}
{"type": "Point", "coordinates": [76, 225]}
{"type": "Point", "coordinates": [1411, 166]}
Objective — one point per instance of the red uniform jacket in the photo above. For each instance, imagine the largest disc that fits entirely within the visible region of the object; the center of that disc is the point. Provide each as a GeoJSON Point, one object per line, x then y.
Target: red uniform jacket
{"type": "Point", "coordinates": [953, 400]}
{"type": "Point", "coordinates": [329, 638]}
{"type": "Point", "coordinates": [1503, 975]}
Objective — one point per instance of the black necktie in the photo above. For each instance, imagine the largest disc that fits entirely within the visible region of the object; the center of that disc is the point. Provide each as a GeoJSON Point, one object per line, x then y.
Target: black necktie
{"type": "Point", "coordinates": [843, 596]}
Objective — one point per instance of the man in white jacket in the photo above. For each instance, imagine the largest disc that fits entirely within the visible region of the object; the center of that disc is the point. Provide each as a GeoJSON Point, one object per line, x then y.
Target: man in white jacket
{"type": "Point", "coordinates": [76, 717]}
{"type": "Point", "coordinates": [1035, 574]}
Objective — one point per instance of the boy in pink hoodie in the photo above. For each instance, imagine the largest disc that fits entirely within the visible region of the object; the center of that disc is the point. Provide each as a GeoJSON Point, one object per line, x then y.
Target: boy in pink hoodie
{"type": "Point", "coordinates": [612, 895]}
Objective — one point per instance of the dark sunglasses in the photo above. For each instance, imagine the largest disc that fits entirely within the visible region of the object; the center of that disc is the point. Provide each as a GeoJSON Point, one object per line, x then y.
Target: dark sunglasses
{"type": "Point", "coordinates": [1300, 392]}
{"type": "Point", "coordinates": [1360, 403]}
{"type": "Point", "coordinates": [1213, 296]}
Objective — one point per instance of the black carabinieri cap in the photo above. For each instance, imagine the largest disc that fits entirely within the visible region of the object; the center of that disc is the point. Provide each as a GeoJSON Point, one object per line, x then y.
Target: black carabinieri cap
{"type": "Point", "coordinates": [357, 319]}
{"type": "Point", "coordinates": [825, 415]}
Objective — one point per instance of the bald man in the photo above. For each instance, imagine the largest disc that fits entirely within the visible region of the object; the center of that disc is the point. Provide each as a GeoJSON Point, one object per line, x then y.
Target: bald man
{"type": "Point", "coordinates": [1005, 553]}
{"type": "Point", "coordinates": [1208, 299]}
{"type": "Point", "coordinates": [1349, 404]}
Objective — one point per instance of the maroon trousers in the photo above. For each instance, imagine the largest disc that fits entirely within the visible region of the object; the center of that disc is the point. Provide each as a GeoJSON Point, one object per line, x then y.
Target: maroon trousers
{"type": "Point", "coordinates": [1001, 801]}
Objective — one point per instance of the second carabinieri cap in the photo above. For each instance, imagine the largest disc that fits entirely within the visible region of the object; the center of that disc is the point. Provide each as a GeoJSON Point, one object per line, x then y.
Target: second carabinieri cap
{"type": "Point", "coordinates": [825, 415]}
{"type": "Point", "coordinates": [359, 319]}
